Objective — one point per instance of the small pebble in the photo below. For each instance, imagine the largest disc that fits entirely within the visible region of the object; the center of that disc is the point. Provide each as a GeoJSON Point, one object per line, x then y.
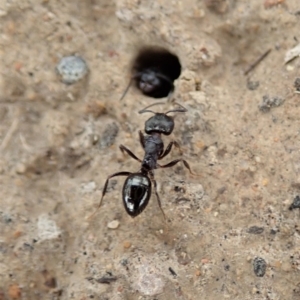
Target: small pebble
{"type": "Point", "coordinates": [297, 84]}
{"type": "Point", "coordinates": [72, 69]}
{"type": "Point", "coordinates": [17, 234]}
{"type": "Point", "coordinates": [126, 244]}
{"type": "Point", "coordinates": [14, 291]}
{"type": "Point", "coordinates": [269, 102]}
{"type": "Point", "coordinates": [259, 266]}
{"type": "Point", "coordinates": [204, 261]}
{"type": "Point", "coordinates": [20, 168]}
{"type": "Point", "coordinates": [113, 224]}
{"type": "Point", "coordinates": [252, 85]}
{"type": "Point", "coordinates": [255, 230]}
{"type": "Point", "coordinates": [109, 135]}
{"type": "Point", "coordinates": [295, 204]}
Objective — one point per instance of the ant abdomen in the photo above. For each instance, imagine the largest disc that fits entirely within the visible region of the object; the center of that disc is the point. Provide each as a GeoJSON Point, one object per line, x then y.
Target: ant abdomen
{"type": "Point", "coordinates": [136, 193]}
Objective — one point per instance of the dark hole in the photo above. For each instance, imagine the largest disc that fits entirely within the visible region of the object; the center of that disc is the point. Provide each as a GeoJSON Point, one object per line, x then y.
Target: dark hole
{"type": "Point", "coordinates": [154, 70]}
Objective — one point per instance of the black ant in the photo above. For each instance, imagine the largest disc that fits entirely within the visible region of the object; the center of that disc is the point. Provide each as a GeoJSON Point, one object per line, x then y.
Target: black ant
{"type": "Point", "coordinates": [137, 187]}
{"type": "Point", "coordinates": [154, 71]}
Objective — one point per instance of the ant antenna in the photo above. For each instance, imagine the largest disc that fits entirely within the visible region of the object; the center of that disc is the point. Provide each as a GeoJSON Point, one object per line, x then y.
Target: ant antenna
{"type": "Point", "coordinates": [148, 110]}
{"type": "Point", "coordinates": [179, 109]}
{"type": "Point", "coordinates": [127, 88]}
{"type": "Point", "coordinates": [135, 76]}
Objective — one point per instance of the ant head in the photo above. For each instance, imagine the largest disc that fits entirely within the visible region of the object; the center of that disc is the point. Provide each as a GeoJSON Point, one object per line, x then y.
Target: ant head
{"type": "Point", "coordinates": [161, 122]}
{"type": "Point", "coordinates": [136, 193]}
{"type": "Point", "coordinates": [154, 70]}
{"type": "Point", "coordinates": [148, 81]}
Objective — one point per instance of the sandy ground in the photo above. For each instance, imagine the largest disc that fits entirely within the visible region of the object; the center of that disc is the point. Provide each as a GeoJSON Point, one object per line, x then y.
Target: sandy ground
{"type": "Point", "coordinates": [58, 144]}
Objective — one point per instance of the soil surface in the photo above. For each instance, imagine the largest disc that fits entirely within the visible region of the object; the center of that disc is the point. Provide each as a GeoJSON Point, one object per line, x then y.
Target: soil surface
{"type": "Point", "coordinates": [230, 232]}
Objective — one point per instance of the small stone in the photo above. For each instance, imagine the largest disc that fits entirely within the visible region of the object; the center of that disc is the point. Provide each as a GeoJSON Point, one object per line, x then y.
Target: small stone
{"type": "Point", "coordinates": [17, 234]}
{"type": "Point", "coordinates": [109, 135]}
{"type": "Point", "coordinates": [255, 230]}
{"type": "Point", "coordinates": [252, 85]}
{"type": "Point", "coordinates": [204, 261]}
{"type": "Point", "coordinates": [126, 244]}
{"type": "Point", "coordinates": [297, 84]}
{"type": "Point", "coordinates": [259, 266]}
{"type": "Point", "coordinates": [113, 224]}
{"type": "Point", "coordinates": [197, 273]}
{"type": "Point", "coordinates": [269, 102]}
{"type": "Point", "coordinates": [14, 291]}
{"type": "Point", "coordinates": [88, 187]}
{"type": "Point", "coordinates": [257, 159]}
{"type": "Point", "coordinates": [20, 168]}
{"type": "Point", "coordinates": [72, 69]}
{"type": "Point", "coordinates": [295, 204]}
{"type": "Point", "coordinates": [47, 228]}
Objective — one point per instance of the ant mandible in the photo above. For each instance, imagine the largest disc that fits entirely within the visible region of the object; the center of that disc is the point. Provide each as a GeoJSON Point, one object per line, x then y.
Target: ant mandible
{"type": "Point", "coordinates": [137, 187]}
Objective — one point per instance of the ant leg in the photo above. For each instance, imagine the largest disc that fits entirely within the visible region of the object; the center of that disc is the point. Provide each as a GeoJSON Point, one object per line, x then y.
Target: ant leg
{"type": "Point", "coordinates": [174, 162]}
{"type": "Point", "coordinates": [169, 148]}
{"type": "Point", "coordinates": [105, 187]}
{"type": "Point", "coordinates": [124, 149]}
{"type": "Point", "coordinates": [156, 193]}
{"type": "Point", "coordinates": [142, 139]}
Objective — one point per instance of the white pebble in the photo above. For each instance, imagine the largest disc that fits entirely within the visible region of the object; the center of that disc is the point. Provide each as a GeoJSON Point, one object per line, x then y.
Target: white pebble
{"type": "Point", "coordinates": [71, 69]}
{"type": "Point", "coordinates": [113, 224]}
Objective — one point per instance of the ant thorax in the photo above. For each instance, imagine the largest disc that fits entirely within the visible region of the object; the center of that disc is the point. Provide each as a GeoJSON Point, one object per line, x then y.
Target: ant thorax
{"type": "Point", "coordinates": [154, 146]}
